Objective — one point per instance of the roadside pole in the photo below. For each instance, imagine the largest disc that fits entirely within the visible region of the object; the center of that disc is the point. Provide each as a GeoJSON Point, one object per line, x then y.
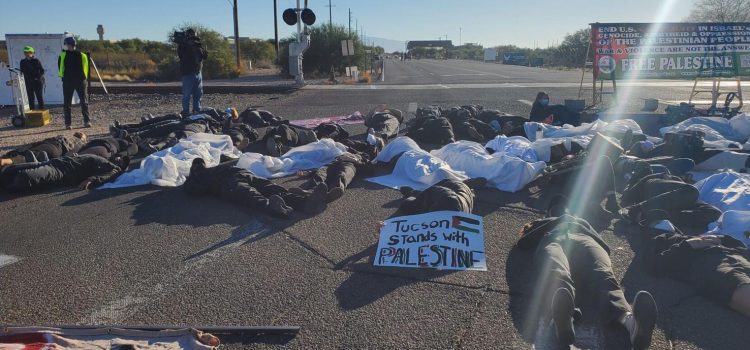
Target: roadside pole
{"type": "Point", "coordinates": [300, 75]}
{"type": "Point", "coordinates": [382, 70]}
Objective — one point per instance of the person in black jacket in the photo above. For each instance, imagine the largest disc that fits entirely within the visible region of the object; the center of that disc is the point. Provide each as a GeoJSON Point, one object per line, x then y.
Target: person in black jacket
{"type": "Point", "coordinates": [447, 194]}
{"type": "Point", "coordinates": [73, 68]}
{"type": "Point", "coordinates": [568, 255]}
{"type": "Point", "coordinates": [53, 147]}
{"type": "Point", "coordinates": [33, 75]}
{"type": "Point", "coordinates": [717, 266]}
{"type": "Point", "coordinates": [385, 124]}
{"type": "Point", "coordinates": [191, 54]}
{"type": "Point", "coordinates": [558, 115]}
{"type": "Point", "coordinates": [242, 187]}
{"type": "Point", "coordinates": [86, 171]}
{"type": "Point", "coordinates": [111, 148]}
{"type": "Point", "coordinates": [647, 192]}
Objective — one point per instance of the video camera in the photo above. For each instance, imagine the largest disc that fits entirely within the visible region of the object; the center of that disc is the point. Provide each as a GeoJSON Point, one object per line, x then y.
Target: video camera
{"type": "Point", "coordinates": [180, 37]}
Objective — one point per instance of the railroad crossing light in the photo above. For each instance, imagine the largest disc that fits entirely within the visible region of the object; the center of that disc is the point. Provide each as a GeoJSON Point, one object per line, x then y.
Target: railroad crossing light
{"type": "Point", "coordinates": [290, 17]}
{"type": "Point", "coordinates": [308, 17]}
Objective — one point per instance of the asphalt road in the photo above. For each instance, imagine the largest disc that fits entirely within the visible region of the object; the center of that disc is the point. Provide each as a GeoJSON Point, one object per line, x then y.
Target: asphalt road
{"type": "Point", "coordinates": [155, 256]}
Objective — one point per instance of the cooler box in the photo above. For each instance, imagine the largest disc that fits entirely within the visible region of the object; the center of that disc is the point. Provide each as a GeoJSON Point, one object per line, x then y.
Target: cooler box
{"type": "Point", "coordinates": [38, 117]}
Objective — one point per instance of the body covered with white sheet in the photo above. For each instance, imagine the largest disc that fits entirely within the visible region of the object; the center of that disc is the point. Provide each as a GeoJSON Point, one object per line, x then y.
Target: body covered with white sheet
{"type": "Point", "coordinates": [310, 156]}
{"type": "Point", "coordinates": [414, 168]}
{"type": "Point", "coordinates": [504, 172]}
{"type": "Point", "coordinates": [551, 131]}
{"type": "Point", "coordinates": [171, 166]}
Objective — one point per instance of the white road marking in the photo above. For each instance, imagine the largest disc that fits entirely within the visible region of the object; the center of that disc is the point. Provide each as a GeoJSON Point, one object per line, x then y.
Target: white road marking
{"type": "Point", "coordinates": [464, 74]}
{"type": "Point", "coordinates": [526, 102]}
{"type": "Point", "coordinates": [6, 260]}
{"type": "Point", "coordinates": [676, 84]}
{"type": "Point", "coordinates": [121, 309]}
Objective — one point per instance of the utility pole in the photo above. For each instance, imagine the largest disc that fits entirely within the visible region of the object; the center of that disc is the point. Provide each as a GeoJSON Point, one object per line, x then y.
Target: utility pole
{"type": "Point", "coordinates": [350, 21]}
{"type": "Point", "coordinates": [236, 37]}
{"type": "Point", "coordinates": [330, 13]}
{"type": "Point", "coordinates": [460, 36]}
{"type": "Point", "coordinates": [276, 29]}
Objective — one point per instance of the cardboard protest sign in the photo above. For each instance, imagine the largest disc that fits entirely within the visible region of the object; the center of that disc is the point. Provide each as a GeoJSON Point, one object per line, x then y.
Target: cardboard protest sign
{"type": "Point", "coordinates": [446, 240]}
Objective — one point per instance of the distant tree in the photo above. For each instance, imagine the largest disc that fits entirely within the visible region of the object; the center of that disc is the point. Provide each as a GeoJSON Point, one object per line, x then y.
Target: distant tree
{"type": "Point", "coordinates": [257, 50]}
{"type": "Point", "coordinates": [720, 11]}
{"type": "Point", "coordinates": [572, 51]}
{"type": "Point", "coordinates": [325, 50]}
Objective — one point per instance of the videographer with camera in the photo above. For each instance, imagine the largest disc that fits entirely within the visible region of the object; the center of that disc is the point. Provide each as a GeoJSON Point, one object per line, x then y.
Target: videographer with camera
{"type": "Point", "coordinates": [191, 54]}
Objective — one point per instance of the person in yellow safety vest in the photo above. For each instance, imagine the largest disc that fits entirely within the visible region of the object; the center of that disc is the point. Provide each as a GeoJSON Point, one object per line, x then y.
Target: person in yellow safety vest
{"type": "Point", "coordinates": [73, 68]}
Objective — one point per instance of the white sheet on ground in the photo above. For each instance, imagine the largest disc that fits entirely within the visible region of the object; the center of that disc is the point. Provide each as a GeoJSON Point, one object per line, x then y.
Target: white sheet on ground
{"type": "Point", "coordinates": [515, 146]}
{"type": "Point", "coordinates": [539, 150]}
{"type": "Point", "coordinates": [171, 166]}
{"type": "Point", "coordinates": [724, 160]}
{"type": "Point", "coordinates": [550, 131]}
{"type": "Point", "coordinates": [399, 145]}
{"type": "Point", "coordinates": [720, 132]}
{"type": "Point", "coordinates": [460, 160]}
{"type": "Point", "coordinates": [419, 170]}
{"type": "Point", "coordinates": [504, 172]}
{"type": "Point", "coordinates": [735, 223]}
{"type": "Point", "coordinates": [310, 156]}
{"type": "Point", "coordinates": [726, 191]}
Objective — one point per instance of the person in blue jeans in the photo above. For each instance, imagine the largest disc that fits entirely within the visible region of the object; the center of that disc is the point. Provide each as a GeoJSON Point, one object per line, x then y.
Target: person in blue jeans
{"type": "Point", "coordinates": [191, 54]}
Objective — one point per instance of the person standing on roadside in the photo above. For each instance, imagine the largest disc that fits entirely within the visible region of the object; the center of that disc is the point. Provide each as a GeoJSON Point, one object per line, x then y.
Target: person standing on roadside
{"type": "Point", "coordinates": [73, 68]}
{"type": "Point", "coordinates": [191, 54]}
{"type": "Point", "coordinates": [33, 75]}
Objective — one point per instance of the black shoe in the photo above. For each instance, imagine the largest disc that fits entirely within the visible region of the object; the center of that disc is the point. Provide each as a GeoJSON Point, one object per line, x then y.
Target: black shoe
{"type": "Point", "coordinates": [334, 194]}
{"type": "Point", "coordinates": [631, 214]}
{"type": "Point", "coordinates": [43, 156]}
{"type": "Point", "coordinates": [316, 203]}
{"type": "Point", "coordinates": [556, 207]}
{"type": "Point", "coordinates": [611, 205]}
{"type": "Point", "coordinates": [474, 135]}
{"type": "Point", "coordinates": [645, 313]}
{"type": "Point", "coordinates": [30, 157]}
{"type": "Point", "coordinates": [198, 164]}
{"type": "Point", "coordinates": [273, 147]}
{"type": "Point", "coordinates": [277, 207]}
{"type": "Point", "coordinates": [300, 191]}
{"type": "Point", "coordinates": [406, 191]}
{"type": "Point", "coordinates": [563, 308]}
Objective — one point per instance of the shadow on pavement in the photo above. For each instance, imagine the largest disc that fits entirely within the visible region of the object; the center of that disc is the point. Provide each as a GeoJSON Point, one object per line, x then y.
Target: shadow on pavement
{"type": "Point", "coordinates": [266, 339]}
{"type": "Point", "coordinates": [685, 316]}
{"type": "Point", "coordinates": [250, 233]}
{"type": "Point", "coordinates": [364, 288]}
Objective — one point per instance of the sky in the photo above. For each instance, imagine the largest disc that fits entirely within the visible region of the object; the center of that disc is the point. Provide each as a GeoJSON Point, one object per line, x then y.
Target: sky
{"type": "Point", "coordinates": [537, 23]}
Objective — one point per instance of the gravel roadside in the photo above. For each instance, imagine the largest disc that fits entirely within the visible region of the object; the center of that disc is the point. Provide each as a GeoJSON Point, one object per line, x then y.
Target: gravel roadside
{"type": "Point", "coordinates": [125, 108]}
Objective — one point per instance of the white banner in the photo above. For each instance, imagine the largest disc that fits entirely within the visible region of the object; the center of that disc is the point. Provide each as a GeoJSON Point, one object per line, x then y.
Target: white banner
{"type": "Point", "coordinates": [445, 240]}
